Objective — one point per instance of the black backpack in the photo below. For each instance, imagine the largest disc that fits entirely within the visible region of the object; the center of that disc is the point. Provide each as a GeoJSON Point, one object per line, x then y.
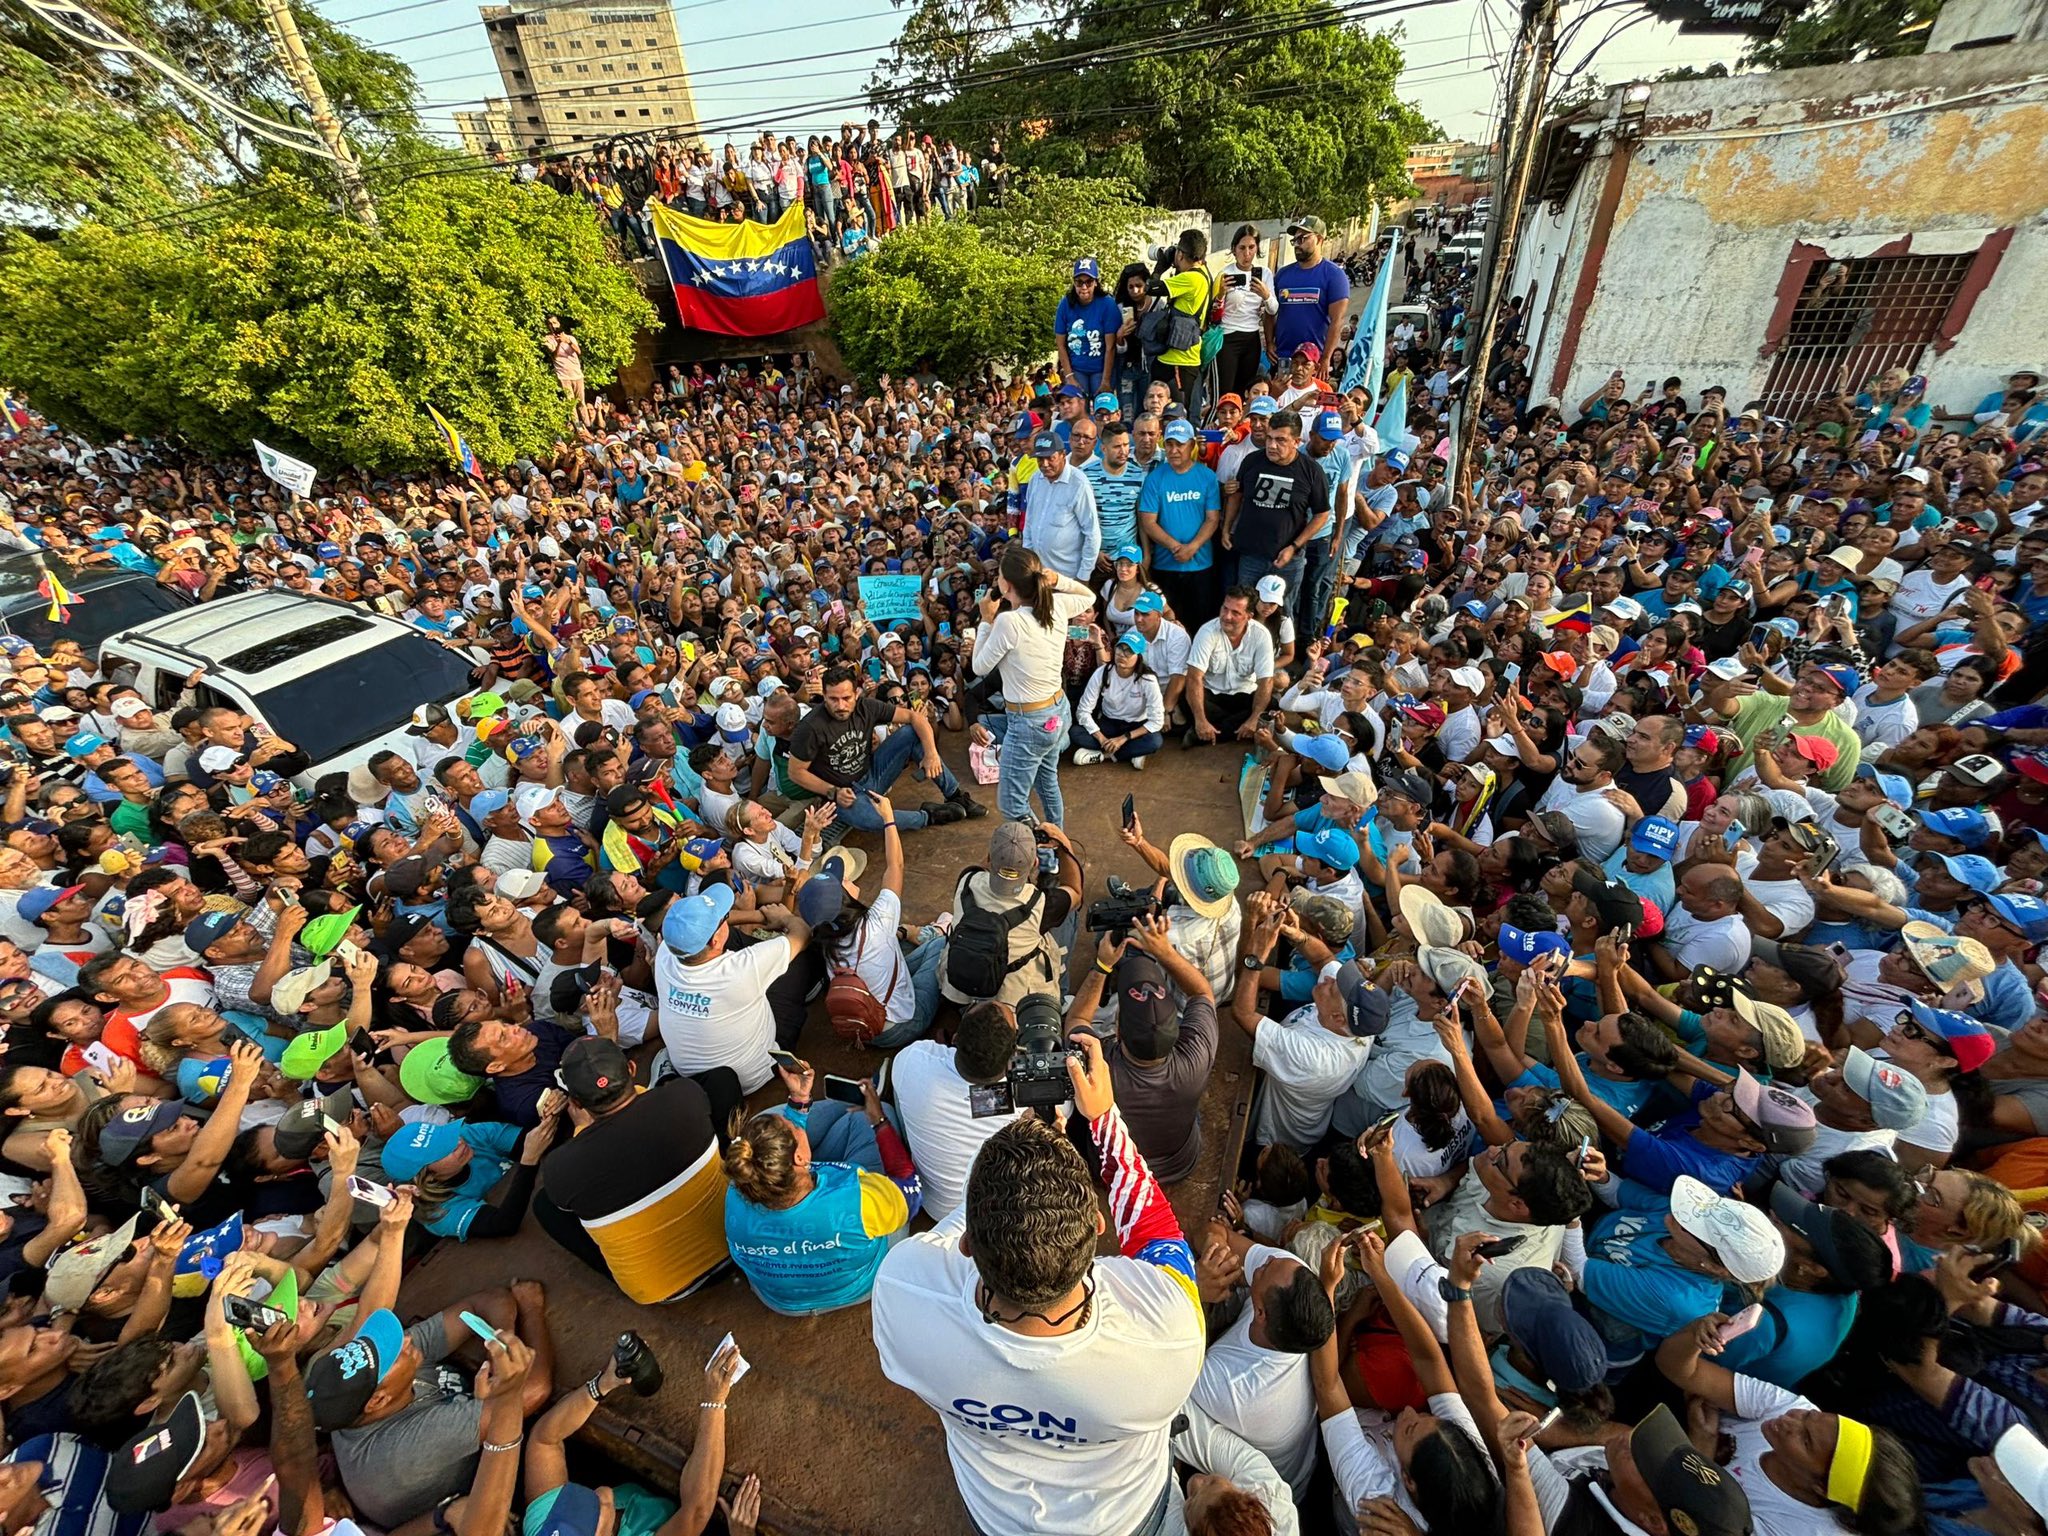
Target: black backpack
{"type": "Point", "coordinates": [978, 954]}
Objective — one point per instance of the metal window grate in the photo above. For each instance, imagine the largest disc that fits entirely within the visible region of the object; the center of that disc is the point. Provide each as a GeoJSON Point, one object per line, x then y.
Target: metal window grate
{"type": "Point", "coordinates": [1855, 319]}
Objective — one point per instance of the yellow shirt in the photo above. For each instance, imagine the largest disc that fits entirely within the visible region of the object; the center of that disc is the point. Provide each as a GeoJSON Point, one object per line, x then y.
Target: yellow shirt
{"type": "Point", "coordinates": [1190, 293]}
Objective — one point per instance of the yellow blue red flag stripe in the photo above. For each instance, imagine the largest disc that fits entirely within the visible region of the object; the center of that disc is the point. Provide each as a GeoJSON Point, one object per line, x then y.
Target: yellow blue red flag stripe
{"type": "Point", "coordinates": [743, 279]}
{"type": "Point", "coordinates": [455, 443]}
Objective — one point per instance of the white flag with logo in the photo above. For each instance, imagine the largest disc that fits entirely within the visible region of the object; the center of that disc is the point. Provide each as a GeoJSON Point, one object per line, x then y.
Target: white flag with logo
{"type": "Point", "coordinates": [295, 475]}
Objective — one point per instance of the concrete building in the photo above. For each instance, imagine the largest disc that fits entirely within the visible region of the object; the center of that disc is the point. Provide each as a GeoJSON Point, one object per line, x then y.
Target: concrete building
{"type": "Point", "coordinates": [1775, 232]}
{"type": "Point", "coordinates": [577, 73]}
{"type": "Point", "coordinates": [488, 131]}
{"type": "Point", "coordinates": [1453, 173]}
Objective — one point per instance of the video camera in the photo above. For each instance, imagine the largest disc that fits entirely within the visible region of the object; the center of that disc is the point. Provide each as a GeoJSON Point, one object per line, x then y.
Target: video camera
{"type": "Point", "coordinates": [1037, 1078]}
{"type": "Point", "coordinates": [1115, 913]}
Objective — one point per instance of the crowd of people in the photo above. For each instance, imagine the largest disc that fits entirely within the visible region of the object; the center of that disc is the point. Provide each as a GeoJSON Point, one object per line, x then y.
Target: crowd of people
{"type": "Point", "coordinates": [854, 188]}
{"type": "Point", "coordinates": [1634, 931]}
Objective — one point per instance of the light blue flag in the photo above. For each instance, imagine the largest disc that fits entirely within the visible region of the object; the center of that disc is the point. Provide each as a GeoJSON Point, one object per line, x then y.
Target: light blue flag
{"type": "Point", "coordinates": [1369, 346]}
{"type": "Point", "coordinates": [1393, 423]}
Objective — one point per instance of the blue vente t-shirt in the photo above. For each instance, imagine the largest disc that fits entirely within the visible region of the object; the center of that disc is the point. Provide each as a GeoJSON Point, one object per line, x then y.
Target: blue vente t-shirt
{"type": "Point", "coordinates": [1089, 329]}
{"type": "Point", "coordinates": [1182, 501]}
{"type": "Point", "coordinates": [1305, 295]}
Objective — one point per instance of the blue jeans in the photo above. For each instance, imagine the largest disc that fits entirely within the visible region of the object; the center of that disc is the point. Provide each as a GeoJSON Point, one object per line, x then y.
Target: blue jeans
{"type": "Point", "coordinates": [923, 965]}
{"type": "Point", "coordinates": [1031, 761]}
{"type": "Point", "coordinates": [1144, 744]}
{"type": "Point", "coordinates": [899, 752]}
{"type": "Point", "coordinates": [1312, 597]}
{"type": "Point", "coordinates": [1251, 567]}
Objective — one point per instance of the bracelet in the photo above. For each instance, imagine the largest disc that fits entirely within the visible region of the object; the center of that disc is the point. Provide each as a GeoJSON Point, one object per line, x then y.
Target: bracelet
{"type": "Point", "coordinates": [510, 1445]}
{"type": "Point", "coordinates": [799, 1103]}
{"type": "Point", "coordinates": [719, 1406]}
{"type": "Point", "coordinates": [1107, 970]}
{"type": "Point", "coordinates": [594, 1388]}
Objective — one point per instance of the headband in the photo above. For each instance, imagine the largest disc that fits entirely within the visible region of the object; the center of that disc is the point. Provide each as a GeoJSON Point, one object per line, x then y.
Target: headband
{"type": "Point", "coordinates": [1850, 1469]}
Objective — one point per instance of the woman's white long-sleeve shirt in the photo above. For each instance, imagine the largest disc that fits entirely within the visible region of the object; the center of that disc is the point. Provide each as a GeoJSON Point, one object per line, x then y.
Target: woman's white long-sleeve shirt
{"type": "Point", "coordinates": [1123, 698]}
{"type": "Point", "coordinates": [1028, 654]}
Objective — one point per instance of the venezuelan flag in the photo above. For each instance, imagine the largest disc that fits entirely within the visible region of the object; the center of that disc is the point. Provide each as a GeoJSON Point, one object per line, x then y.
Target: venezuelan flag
{"type": "Point", "coordinates": [743, 279]}
{"type": "Point", "coordinates": [61, 599]}
{"type": "Point", "coordinates": [455, 443]}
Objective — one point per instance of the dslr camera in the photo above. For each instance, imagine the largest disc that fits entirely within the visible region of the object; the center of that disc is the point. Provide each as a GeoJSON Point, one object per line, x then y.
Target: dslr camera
{"type": "Point", "coordinates": [1037, 1078]}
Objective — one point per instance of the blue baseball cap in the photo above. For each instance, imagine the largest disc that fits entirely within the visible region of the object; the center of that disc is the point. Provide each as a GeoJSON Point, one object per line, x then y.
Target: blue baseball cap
{"type": "Point", "coordinates": [1394, 459]}
{"type": "Point", "coordinates": [1969, 827]}
{"type": "Point", "coordinates": [1107, 402]}
{"type": "Point", "coordinates": [573, 1509]}
{"type": "Point", "coordinates": [1967, 1039]}
{"type": "Point", "coordinates": [1263, 405]}
{"type": "Point", "coordinates": [488, 803]}
{"type": "Point", "coordinates": [1045, 443]}
{"type": "Point", "coordinates": [341, 1382]}
{"type": "Point", "coordinates": [1149, 602]}
{"type": "Point", "coordinates": [1134, 642]}
{"type": "Point", "coordinates": [1538, 1315]}
{"type": "Point", "coordinates": [327, 551]}
{"type": "Point", "coordinates": [1129, 552]}
{"type": "Point", "coordinates": [1848, 679]}
{"type": "Point", "coordinates": [1525, 944]}
{"type": "Point", "coordinates": [1071, 392]}
{"type": "Point", "coordinates": [1024, 425]}
{"type": "Point", "coordinates": [1655, 834]}
{"type": "Point", "coordinates": [83, 744]}
{"type": "Point", "coordinates": [1329, 426]}
{"type": "Point", "coordinates": [691, 921]}
{"type": "Point", "coordinates": [1973, 869]}
{"type": "Point", "coordinates": [522, 747]}
{"type": "Point", "coordinates": [1896, 788]}
{"type": "Point", "coordinates": [1181, 431]}
{"type": "Point", "coordinates": [2029, 914]}
{"type": "Point", "coordinates": [1087, 266]}
{"type": "Point", "coordinates": [1329, 845]}
{"type": "Point", "coordinates": [204, 931]}
{"type": "Point", "coordinates": [1327, 752]}
{"type": "Point", "coordinates": [38, 900]}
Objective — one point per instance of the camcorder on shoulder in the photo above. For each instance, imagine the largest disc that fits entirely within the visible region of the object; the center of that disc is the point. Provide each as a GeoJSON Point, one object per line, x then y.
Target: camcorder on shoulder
{"type": "Point", "coordinates": [1037, 1078]}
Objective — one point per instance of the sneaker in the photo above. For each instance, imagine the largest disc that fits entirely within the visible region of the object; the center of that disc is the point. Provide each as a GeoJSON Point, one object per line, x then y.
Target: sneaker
{"type": "Point", "coordinates": [944, 813]}
{"type": "Point", "coordinates": [1083, 756]}
{"type": "Point", "coordinates": [1188, 738]}
{"type": "Point", "coordinates": [1118, 887]}
{"type": "Point", "coordinates": [1138, 763]}
{"type": "Point", "coordinates": [969, 806]}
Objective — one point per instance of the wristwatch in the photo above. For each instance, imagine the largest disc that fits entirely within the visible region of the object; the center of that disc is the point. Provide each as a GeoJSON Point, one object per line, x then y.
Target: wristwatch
{"type": "Point", "coordinates": [1450, 1292]}
{"type": "Point", "coordinates": [1251, 963]}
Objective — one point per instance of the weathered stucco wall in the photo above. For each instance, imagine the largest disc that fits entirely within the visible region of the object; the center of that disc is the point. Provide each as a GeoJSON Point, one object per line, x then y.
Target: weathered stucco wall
{"type": "Point", "coordinates": [1727, 174]}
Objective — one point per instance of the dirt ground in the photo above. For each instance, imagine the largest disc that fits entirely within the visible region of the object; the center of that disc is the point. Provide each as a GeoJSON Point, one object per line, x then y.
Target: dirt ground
{"type": "Point", "coordinates": [837, 1447]}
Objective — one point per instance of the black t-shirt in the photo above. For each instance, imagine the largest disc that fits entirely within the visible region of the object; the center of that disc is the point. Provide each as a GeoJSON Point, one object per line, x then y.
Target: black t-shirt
{"type": "Point", "coordinates": [624, 1158]}
{"type": "Point", "coordinates": [519, 1094]}
{"type": "Point", "coordinates": [1649, 790]}
{"type": "Point", "coordinates": [1279, 501]}
{"type": "Point", "coordinates": [841, 751]}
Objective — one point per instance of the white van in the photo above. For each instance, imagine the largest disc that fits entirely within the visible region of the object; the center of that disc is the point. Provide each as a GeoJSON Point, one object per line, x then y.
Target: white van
{"type": "Point", "coordinates": [337, 681]}
{"type": "Point", "coordinates": [1466, 247]}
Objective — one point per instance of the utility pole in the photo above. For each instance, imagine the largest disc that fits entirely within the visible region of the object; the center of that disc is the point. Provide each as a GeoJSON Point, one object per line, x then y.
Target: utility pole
{"type": "Point", "coordinates": [298, 68]}
{"type": "Point", "coordinates": [1536, 49]}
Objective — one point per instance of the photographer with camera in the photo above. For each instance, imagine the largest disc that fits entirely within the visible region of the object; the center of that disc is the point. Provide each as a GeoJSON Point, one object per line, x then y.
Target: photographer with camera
{"type": "Point", "coordinates": [1056, 1374]}
{"type": "Point", "coordinates": [938, 1091]}
{"type": "Point", "coordinates": [1005, 918]}
{"type": "Point", "coordinates": [1162, 1051]}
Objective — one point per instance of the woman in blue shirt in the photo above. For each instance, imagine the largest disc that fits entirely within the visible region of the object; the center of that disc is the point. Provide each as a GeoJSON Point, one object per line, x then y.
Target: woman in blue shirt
{"type": "Point", "coordinates": [816, 1198]}
{"type": "Point", "coordinates": [453, 1167]}
{"type": "Point", "coordinates": [1085, 328]}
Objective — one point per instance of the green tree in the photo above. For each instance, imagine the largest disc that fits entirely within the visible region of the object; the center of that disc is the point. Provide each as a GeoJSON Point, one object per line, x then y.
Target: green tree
{"type": "Point", "coordinates": [281, 321]}
{"type": "Point", "coordinates": [944, 296]}
{"type": "Point", "coordinates": [1248, 108]}
{"type": "Point", "coordinates": [91, 135]}
{"type": "Point", "coordinates": [1060, 219]}
{"type": "Point", "coordinates": [1838, 31]}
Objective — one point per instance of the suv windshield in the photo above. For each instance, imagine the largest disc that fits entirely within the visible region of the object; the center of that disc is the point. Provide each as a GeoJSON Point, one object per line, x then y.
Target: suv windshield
{"type": "Point", "coordinates": [364, 696]}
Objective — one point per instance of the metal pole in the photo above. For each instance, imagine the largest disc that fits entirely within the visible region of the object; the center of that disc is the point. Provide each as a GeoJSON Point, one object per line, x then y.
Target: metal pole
{"type": "Point", "coordinates": [298, 68]}
{"type": "Point", "coordinates": [1538, 43]}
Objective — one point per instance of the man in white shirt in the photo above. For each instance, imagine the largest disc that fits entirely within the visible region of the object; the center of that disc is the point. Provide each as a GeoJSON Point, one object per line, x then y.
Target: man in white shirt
{"type": "Point", "coordinates": [1704, 926]}
{"type": "Point", "coordinates": [1060, 522]}
{"type": "Point", "coordinates": [1167, 645]}
{"type": "Point", "coordinates": [1056, 1374]}
{"type": "Point", "coordinates": [1459, 736]}
{"type": "Point", "coordinates": [1229, 672]}
{"type": "Point", "coordinates": [1313, 1055]}
{"type": "Point", "coordinates": [1580, 792]}
{"type": "Point", "coordinates": [1255, 1378]}
{"type": "Point", "coordinates": [933, 1086]}
{"type": "Point", "coordinates": [1885, 712]}
{"type": "Point", "coordinates": [713, 1002]}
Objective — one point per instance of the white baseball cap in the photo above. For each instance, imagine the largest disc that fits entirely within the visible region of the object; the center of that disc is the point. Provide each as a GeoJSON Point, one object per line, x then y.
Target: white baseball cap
{"type": "Point", "coordinates": [1272, 588]}
{"type": "Point", "coordinates": [1742, 1237]}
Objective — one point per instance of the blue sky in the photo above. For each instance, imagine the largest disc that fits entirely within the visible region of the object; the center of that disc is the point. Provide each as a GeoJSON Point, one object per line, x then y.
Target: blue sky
{"type": "Point", "coordinates": [739, 72]}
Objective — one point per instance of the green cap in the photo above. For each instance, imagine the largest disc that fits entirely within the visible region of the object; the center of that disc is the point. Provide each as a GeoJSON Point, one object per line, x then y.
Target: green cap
{"type": "Point", "coordinates": [285, 1297]}
{"type": "Point", "coordinates": [482, 705]}
{"type": "Point", "coordinates": [428, 1076]}
{"type": "Point", "coordinates": [309, 1052]}
{"type": "Point", "coordinates": [323, 933]}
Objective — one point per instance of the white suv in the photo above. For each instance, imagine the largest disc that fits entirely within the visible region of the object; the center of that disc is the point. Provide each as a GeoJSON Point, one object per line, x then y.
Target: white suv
{"type": "Point", "coordinates": [337, 681]}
